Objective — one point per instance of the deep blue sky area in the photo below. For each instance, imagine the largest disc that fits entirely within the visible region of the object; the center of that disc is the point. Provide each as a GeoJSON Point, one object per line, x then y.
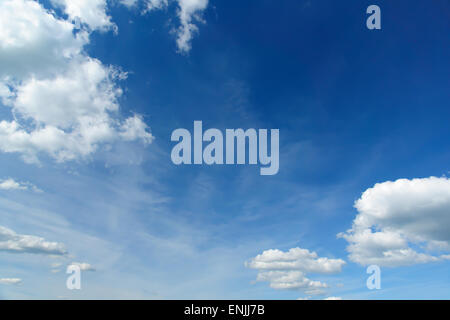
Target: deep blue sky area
{"type": "Point", "coordinates": [312, 70]}
{"type": "Point", "coordinates": [354, 107]}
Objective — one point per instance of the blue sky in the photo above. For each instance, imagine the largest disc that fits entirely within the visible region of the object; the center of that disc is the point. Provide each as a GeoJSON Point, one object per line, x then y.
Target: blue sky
{"type": "Point", "coordinates": [89, 102]}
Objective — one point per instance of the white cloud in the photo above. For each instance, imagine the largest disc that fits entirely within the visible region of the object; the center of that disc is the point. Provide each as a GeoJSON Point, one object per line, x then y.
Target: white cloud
{"type": "Point", "coordinates": [65, 103]}
{"type": "Point", "coordinates": [401, 222]}
{"type": "Point", "coordinates": [18, 243]}
{"type": "Point", "coordinates": [11, 184]}
{"type": "Point", "coordinates": [15, 281]}
{"type": "Point", "coordinates": [84, 266]}
{"type": "Point", "coordinates": [91, 12]}
{"type": "Point", "coordinates": [156, 4]}
{"type": "Point", "coordinates": [34, 41]}
{"type": "Point", "coordinates": [327, 298]}
{"type": "Point", "coordinates": [288, 270]}
{"type": "Point", "coordinates": [333, 298]}
{"type": "Point", "coordinates": [189, 12]}
{"type": "Point", "coordinates": [295, 259]}
{"type": "Point", "coordinates": [129, 3]}
{"type": "Point", "coordinates": [85, 90]}
{"type": "Point", "coordinates": [291, 280]}
{"type": "Point", "coordinates": [134, 128]}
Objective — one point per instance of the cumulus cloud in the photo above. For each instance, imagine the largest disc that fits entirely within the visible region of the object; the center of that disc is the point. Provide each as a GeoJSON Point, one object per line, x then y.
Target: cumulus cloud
{"type": "Point", "coordinates": [134, 128]}
{"type": "Point", "coordinates": [65, 103]}
{"type": "Point", "coordinates": [34, 41]}
{"type": "Point", "coordinates": [288, 270]}
{"type": "Point", "coordinates": [401, 222]}
{"type": "Point", "coordinates": [291, 280]}
{"type": "Point", "coordinates": [18, 243]}
{"type": "Point", "coordinates": [11, 184]}
{"type": "Point", "coordinates": [84, 266]}
{"type": "Point", "coordinates": [15, 281]}
{"type": "Point", "coordinates": [91, 12]}
{"type": "Point", "coordinates": [85, 90]}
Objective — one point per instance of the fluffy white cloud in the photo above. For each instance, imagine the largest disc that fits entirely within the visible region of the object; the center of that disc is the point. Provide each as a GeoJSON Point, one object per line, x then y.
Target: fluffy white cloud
{"type": "Point", "coordinates": [72, 114]}
{"type": "Point", "coordinates": [85, 90]}
{"type": "Point", "coordinates": [34, 41]}
{"type": "Point", "coordinates": [18, 243]}
{"type": "Point", "coordinates": [91, 12]}
{"type": "Point", "coordinates": [15, 281]}
{"type": "Point", "coordinates": [11, 184]}
{"type": "Point", "coordinates": [134, 128]}
{"type": "Point", "coordinates": [84, 266]}
{"type": "Point", "coordinates": [401, 222]}
{"type": "Point", "coordinates": [291, 280]}
{"type": "Point", "coordinates": [288, 270]}
{"type": "Point", "coordinates": [65, 104]}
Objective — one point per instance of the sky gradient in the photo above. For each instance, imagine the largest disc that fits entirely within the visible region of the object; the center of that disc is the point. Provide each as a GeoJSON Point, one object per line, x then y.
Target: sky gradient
{"type": "Point", "coordinates": [91, 91]}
